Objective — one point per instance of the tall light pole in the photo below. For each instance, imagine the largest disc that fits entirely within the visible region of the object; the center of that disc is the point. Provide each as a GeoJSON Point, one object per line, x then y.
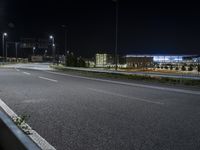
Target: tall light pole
{"type": "Point", "coordinates": [16, 46]}
{"type": "Point", "coordinates": [53, 47]}
{"type": "Point", "coordinates": [33, 50]}
{"type": "Point", "coordinates": [65, 28]}
{"type": "Point", "coordinates": [4, 35]}
{"type": "Point", "coordinates": [116, 31]}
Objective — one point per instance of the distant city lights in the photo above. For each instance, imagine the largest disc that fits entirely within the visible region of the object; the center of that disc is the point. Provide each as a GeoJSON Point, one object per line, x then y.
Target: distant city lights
{"type": "Point", "coordinates": [167, 58]}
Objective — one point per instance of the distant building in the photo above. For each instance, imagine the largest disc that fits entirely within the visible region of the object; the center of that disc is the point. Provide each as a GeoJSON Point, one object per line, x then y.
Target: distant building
{"type": "Point", "coordinates": [104, 60]}
{"type": "Point", "coordinates": [141, 61]}
{"type": "Point", "coordinates": [138, 61]}
{"type": "Point", "coordinates": [196, 59]}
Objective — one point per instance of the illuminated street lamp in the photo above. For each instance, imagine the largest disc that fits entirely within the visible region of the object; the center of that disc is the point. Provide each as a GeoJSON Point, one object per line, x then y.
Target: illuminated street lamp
{"type": "Point", "coordinates": [33, 50]}
{"type": "Point", "coordinates": [45, 52]}
{"type": "Point", "coordinates": [4, 35]}
{"type": "Point", "coordinates": [65, 28]}
{"type": "Point", "coordinates": [53, 47]}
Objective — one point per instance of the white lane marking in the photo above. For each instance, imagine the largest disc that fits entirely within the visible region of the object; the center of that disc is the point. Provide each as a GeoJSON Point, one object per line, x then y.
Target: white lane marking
{"type": "Point", "coordinates": [40, 141]}
{"type": "Point", "coordinates": [26, 73]}
{"type": "Point", "coordinates": [125, 96]}
{"type": "Point", "coordinates": [48, 79]}
{"type": "Point", "coordinates": [131, 84]}
{"type": "Point", "coordinates": [16, 69]}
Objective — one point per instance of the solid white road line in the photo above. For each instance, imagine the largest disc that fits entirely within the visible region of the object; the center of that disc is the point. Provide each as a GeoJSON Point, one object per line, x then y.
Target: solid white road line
{"type": "Point", "coordinates": [41, 142]}
{"type": "Point", "coordinates": [48, 79]}
{"type": "Point", "coordinates": [125, 96]}
{"type": "Point", "coordinates": [131, 84]}
{"type": "Point", "coordinates": [26, 73]}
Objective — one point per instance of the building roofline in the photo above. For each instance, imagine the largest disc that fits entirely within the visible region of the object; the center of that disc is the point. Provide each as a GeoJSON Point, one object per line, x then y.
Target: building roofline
{"type": "Point", "coordinates": [152, 55]}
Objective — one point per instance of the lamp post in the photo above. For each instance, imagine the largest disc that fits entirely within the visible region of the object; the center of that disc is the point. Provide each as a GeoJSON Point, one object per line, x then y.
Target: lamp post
{"type": "Point", "coordinates": [33, 50]}
{"type": "Point", "coordinates": [116, 31]}
{"type": "Point", "coordinates": [4, 35]}
{"type": "Point", "coordinates": [65, 28]}
{"type": "Point", "coordinates": [53, 47]}
{"type": "Point", "coordinates": [198, 66]}
{"type": "Point", "coordinates": [16, 46]}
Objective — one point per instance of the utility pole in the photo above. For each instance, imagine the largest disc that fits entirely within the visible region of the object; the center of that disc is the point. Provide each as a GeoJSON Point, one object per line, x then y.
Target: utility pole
{"type": "Point", "coordinates": [65, 28]}
{"type": "Point", "coordinates": [116, 32]}
{"type": "Point", "coordinates": [198, 67]}
{"type": "Point", "coordinates": [4, 35]}
{"type": "Point", "coordinates": [16, 44]}
{"type": "Point", "coordinates": [3, 46]}
{"type": "Point", "coordinates": [53, 47]}
{"type": "Point", "coordinates": [6, 51]}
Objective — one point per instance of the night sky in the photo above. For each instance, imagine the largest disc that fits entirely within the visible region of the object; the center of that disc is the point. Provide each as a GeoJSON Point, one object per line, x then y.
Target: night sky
{"type": "Point", "coordinates": [144, 27]}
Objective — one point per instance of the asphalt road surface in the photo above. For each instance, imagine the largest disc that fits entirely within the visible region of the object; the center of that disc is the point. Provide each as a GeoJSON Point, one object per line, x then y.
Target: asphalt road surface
{"type": "Point", "coordinates": [79, 113]}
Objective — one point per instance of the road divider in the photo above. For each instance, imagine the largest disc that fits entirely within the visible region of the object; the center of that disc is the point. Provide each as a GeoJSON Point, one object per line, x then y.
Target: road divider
{"type": "Point", "coordinates": [17, 134]}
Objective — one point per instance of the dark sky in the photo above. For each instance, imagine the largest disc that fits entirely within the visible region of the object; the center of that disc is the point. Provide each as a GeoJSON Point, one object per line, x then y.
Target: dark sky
{"type": "Point", "coordinates": [144, 27]}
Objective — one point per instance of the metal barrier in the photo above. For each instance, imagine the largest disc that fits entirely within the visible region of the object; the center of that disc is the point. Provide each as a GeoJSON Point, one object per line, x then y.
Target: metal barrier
{"type": "Point", "coordinates": [11, 137]}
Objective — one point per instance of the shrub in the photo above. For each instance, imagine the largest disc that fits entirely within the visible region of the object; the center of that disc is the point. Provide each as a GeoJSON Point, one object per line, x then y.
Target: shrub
{"type": "Point", "coordinates": [166, 67]}
{"type": "Point", "coordinates": [190, 68]}
{"type": "Point", "coordinates": [198, 68]}
{"type": "Point", "coordinates": [176, 68]}
{"type": "Point", "coordinates": [171, 67]}
{"type": "Point", "coordinates": [183, 68]}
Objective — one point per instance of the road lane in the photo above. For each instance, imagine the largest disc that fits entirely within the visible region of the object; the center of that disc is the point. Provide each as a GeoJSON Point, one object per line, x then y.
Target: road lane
{"type": "Point", "coordinates": [72, 116]}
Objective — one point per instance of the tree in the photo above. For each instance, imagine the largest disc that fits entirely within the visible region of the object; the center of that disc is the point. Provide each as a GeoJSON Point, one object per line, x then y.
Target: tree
{"type": "Point", "coordinates": [183, 68]}
{"type": "Point", "coordinates": [71, 60]}
{"type": "Point", "coordinates": [198, 68]}
{"type": "Point", "coordinates": [190, 68]}
{"type": "Point", "coordinates": [171, 67]}
{"type": "Point", "coordinates": [81, 62]}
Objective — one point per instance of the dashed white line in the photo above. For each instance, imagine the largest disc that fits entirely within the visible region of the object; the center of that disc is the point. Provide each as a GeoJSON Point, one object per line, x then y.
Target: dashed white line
{"type": "Point", "coordinates": [26, 73]}
{"type": "Point", "coordinates": [48, 79]}
{"type": "Point", "coordinates": [41, 142]}
{"type": "Point", "coordinates": [17, 69]}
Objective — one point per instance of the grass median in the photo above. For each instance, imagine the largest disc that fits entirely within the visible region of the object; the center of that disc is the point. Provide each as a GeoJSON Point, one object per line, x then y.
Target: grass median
{"type": "Point", "coordinates": [146, 78]}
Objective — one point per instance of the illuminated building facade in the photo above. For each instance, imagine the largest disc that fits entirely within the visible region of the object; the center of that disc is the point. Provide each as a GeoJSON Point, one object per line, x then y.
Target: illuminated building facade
{"type": "Point", "coordinates": [140, 61]}
{"type": "Point", "coordinates": [103, 60]}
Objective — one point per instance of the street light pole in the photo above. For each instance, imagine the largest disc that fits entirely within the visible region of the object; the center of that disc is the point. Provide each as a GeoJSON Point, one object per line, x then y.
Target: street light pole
{"type": "Point", "coordinates": [3, 45]}
{"type": "Point", "coordinates": [53, 47]}
{"type": "Point", "coordinates": [65, 28]}
{"type": "Point", "coordinates": [16, 44]}
{"type": "Point", "coordinates": [6, 51]}
{"type": "Point", "coordinates": [116, 31]}
{"type": "Point", "coordinates": [33, 50]}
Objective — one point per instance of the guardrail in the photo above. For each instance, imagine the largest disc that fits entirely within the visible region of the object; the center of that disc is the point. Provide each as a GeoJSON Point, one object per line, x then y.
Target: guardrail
{"type": "Point", "coordinates": [11, 137]}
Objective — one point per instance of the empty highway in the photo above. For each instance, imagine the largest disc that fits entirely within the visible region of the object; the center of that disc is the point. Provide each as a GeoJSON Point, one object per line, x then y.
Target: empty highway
{"type": "Point", "coordinates": [80, 113]}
